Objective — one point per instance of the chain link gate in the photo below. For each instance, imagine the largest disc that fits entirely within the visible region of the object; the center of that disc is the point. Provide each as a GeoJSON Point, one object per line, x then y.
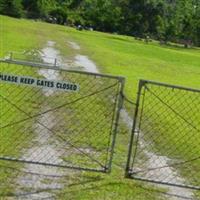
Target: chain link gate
{"type": "Point", "coordinates": [165, 140]}
{"type": "Point", "coordinates": [56, 117]}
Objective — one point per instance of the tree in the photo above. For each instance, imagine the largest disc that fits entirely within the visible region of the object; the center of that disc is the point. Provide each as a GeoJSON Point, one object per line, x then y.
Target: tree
{"type": "Point", "coordinates": [12, 8]}
{"type": "Point", "coordinates": [101, 14]}
{"type": "Point", "coordinates": [39, 8]}
{"type": "Point", "coordinates": [169, 20]}
{"type": "Point", "coordinates": [59, 14]}
{"type": "Point", "coordinates": [31, 8]}
{"type": "Point", "coordinates": [196, 24]}
{"type": "Point", "coordinates": [44, 7]}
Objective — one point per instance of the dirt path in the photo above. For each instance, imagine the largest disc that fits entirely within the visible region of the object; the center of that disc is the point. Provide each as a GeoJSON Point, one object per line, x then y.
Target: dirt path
{"type": "Point", "coordinates": [175, 193]}
{"type": "Point", "coordinates": [155, 161]}
{"type": "Point", "coordinates": [42, 187]}
{"type": "Point", "coordinates": [46, 150]}
{"type": "Point", "coordinates": [43, 151]}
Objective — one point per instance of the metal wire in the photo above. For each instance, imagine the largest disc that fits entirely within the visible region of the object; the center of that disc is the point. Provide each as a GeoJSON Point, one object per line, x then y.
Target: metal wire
{"type": "Point", "coordinates": [165, 147]}
{"type": "Point", "coordinates": [128, 100]}
{"type": "Point", "coordinates": [47, 134]}
{"type": "Point", "coordinates": [52, 109]}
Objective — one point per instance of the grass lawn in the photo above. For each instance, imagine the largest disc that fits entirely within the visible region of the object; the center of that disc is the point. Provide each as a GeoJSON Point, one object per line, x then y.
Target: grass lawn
{"type": "Point", "coordinates": [117, 55]}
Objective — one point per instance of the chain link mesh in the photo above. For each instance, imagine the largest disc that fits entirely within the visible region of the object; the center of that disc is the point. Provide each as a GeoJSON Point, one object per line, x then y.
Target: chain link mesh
{"type": "Point", "coordinates": [165, 147]}
{"type": "Point", "coordinates": [43, 129]}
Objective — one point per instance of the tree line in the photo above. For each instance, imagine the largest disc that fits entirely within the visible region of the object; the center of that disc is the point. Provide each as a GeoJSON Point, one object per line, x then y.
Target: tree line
{"type": "Point", "coordinates": [164, 20]}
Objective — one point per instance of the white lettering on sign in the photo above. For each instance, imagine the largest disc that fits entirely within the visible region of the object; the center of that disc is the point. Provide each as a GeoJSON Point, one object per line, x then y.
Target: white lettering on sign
{"type": "Point", "coordinates": [36, 82]}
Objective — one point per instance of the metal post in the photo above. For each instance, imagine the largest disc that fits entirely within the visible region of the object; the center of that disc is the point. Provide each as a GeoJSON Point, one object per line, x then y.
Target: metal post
{"type": "Point", "coordinates": [55, 62]}
{"type": "Point", "coordinates": [140, 85]}
{"type": "Point", "coordinates": [120, 105]}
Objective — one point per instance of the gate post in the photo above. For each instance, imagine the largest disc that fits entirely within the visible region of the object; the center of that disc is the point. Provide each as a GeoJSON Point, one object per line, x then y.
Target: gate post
{"type": "Point", "coordinates": [130, 148]}
{"type": "Point", "coordinates": [120, 105]}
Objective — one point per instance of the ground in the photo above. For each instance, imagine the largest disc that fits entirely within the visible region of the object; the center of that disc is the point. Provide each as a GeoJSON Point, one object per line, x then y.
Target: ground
{"type": "Point", "coordinates": [117, 55]}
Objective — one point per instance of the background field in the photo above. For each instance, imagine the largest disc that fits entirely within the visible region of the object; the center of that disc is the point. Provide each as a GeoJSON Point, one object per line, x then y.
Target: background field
{"type": "Point", "coordinates": [117, 55]}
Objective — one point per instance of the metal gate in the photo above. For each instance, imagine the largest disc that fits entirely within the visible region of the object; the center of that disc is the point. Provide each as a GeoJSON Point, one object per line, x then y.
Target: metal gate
{"type": "Point", "coordinates": [56, 117]}
{"type": "Point", "coordinates": [165, 141]}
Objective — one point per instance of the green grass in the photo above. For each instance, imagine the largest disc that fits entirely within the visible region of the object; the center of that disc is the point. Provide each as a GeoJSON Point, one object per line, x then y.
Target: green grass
{"type": "Point", "coordinates": [137, 60]}
{"type": "Point", "coordinates": [14, 138]}
{"type": "Point", "coordinates": [117, 55]}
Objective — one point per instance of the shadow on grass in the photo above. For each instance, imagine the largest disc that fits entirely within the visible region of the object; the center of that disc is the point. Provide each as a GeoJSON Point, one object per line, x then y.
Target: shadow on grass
{"type": "Point", "coordinates": [81, 183]}
{"type": "Point", "coordinates": [75, 181]}
{"type": "Point", "coordinates": [145, 189]}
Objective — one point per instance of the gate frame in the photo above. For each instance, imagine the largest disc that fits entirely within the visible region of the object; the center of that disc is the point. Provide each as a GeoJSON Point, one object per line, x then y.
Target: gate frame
{"type": "Point", "coordinates": [131, 157]}
{"type": "Point", "coordinates": [115, 123]}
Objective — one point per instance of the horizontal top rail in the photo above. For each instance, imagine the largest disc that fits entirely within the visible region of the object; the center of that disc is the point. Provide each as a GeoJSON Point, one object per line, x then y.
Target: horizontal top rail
{"type": "Point", "coordinates": [143, 81]}
{"type": "Point", "coordinates": [52, 66]}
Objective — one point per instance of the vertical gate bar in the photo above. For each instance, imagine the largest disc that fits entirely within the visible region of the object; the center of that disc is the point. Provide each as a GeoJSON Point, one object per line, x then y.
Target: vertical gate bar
{"type": "Point", "coordinates": [130, 149]}
{"type": "Point", "coordinates": [55, 62]}
{"type": "Point", "coordinates": [120, 105]}
{"type": "Point", "coordinates": [112, 123]}
{"type": "Point", "coordinates": [139, 125]}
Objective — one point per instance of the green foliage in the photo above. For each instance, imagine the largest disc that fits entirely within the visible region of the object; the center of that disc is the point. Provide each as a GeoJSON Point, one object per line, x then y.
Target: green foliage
{"type": "Point", "coordinates": [38, 8]}
{"type": "Point", "coordinates": [45, 6]}
{"type": "Point", "coordinates": [12, 8]}
{"type": "Point", "coordinates": [167, 20]}
{"type": "Point", "coordinates": [59, 14]}
{"type": "Point", "coordinates": [102, 15]}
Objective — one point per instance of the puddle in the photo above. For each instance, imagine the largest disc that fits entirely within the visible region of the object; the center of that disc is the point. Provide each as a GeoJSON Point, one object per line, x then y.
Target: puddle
{"type": "Point", "coordinates": [48, 55]}
{"type": "Point", "coordinates": [153, 159]}
{"type": "Point", "coordinates": [74, 45]}
{"type": "Point", "coordinates": [42, 150]}
{"type": "Point", "coordinates": [169, 174]}
{"type": "Point", "coordinates": [47, 151]}
{"type": "Point", "coordinates": [87, 64]}
{"type": "Point", "coordinates": [51, 55]}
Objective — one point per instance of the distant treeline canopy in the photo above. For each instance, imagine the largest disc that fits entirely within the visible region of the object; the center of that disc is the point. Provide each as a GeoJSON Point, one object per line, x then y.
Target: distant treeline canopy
{"type": "Point", "coordinates": [165, 20]}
